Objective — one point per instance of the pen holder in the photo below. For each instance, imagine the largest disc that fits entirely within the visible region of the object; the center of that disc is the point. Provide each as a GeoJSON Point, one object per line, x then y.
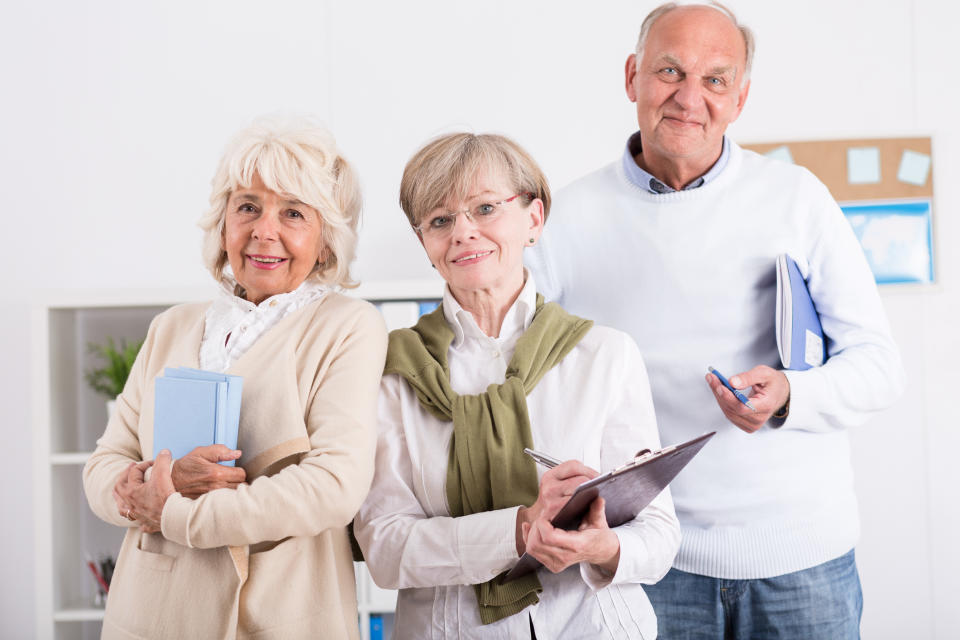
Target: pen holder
{"type": "Point", "coordinates": [102, 571]}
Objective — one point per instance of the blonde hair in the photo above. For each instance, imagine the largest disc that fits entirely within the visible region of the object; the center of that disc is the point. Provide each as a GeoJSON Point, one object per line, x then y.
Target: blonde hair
{"type": "Point", "coordinates": [298, 157]}
{"type": "Point", "coordinates": [446, 167]}
{"type": "Point", "coordinates": [749, 42]}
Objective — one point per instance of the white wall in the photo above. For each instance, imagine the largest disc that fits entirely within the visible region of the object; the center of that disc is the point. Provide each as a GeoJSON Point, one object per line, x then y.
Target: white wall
{"type": "Point", "coordinates": [114, 113]}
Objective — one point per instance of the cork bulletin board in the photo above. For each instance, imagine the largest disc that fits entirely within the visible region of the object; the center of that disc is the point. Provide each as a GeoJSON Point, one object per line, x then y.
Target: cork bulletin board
{"type": "Point", "coordinates": [885, 188]}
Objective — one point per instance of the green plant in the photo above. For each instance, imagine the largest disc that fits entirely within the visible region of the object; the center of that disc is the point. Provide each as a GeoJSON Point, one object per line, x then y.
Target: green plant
{"type": "Point", "coordinates": [110, 378]}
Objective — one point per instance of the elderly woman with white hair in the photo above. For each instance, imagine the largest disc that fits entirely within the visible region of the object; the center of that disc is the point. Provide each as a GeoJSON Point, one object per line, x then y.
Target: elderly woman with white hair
{"type": "Point", "coordinates": [259, 550]}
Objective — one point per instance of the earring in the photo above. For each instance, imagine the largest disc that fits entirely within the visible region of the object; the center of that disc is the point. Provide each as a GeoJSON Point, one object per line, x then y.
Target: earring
{"type": "Point", "coordinates": [533, 241]}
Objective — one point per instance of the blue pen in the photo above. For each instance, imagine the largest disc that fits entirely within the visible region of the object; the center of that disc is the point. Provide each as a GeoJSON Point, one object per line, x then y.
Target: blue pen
{"type": "Point", "coordinates": [740, 395]}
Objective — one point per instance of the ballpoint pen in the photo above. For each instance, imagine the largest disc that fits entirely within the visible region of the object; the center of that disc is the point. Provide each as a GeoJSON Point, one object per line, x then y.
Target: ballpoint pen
{"type": "Point", "coordinates": [739, 394]}
{"type": "Point", "coordinates": [548, 461]}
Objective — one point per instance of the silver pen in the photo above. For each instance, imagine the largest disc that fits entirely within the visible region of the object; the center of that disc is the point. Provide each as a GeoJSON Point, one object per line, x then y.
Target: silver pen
{"type": "Point", "coordinates": [548, 461]}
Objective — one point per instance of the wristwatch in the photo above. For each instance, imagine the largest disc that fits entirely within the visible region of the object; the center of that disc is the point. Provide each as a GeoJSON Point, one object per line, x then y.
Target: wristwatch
{"type": "Point", "coordinates": [783, 411]}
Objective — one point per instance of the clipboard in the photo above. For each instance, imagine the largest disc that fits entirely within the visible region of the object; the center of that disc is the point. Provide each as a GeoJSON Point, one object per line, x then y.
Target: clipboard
{"type": "Point", "coordinates": [628, 489]}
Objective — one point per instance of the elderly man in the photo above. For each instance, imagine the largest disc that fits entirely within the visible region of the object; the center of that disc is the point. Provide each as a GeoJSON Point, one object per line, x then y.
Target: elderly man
{"type": "Point", "coordinates": [676, 243]}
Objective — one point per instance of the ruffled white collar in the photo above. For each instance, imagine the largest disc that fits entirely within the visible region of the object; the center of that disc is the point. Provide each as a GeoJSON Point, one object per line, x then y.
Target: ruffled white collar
{"type": "Point", "coordinates": [232, 324]}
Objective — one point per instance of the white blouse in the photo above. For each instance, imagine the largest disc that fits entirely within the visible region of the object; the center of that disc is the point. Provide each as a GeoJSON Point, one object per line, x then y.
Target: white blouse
{"type": "Point", "coordinates": [594, 406]}
{"type": "Point", "coordinates": [232, 325]}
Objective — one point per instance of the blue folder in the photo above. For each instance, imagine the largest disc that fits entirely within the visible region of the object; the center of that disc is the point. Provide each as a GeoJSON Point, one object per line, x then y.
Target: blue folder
{"type": "Point", "coordinates": [195, 408]}
{"type": "Point", "coordinates": [799, 334]}
{"type": "Point", "coordinates": [376, 627]}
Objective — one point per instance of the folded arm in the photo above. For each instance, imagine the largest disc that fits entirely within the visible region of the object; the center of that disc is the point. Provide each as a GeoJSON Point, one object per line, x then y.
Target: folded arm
{"type": "Point", "coordinates": [119, 446]}
{"type": "Point", "coordinates": [405, 546]}
{"type": "Point", "coordinates": [864, 373]}
{"type": "Point", "coordinates": [328, 484]}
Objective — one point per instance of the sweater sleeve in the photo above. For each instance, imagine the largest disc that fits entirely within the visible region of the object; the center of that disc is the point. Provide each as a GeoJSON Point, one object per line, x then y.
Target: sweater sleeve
{"type": "Point", "coordinates": [120, 443]}
{"type": "Point", "coordinates": [863, 373]}
{"type": "Point", "coordinates": [649, 542]}
{"type": "Point", "coordinates": [327, 486]}
{"type": "Point", "coordinates": [403, 545]}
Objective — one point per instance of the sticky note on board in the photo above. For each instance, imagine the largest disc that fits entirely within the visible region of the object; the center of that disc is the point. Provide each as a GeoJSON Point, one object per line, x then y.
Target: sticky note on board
{"type": "Point", "coordinates": [863, 165]}
{"type": "Point", "coordinates": [781, 153]}
{"type": "Point", "coordinates": [914, 168]}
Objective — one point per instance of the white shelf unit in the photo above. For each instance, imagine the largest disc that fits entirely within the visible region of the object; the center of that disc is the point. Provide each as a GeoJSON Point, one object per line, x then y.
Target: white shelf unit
{"type": "Point", "coordinates": [372, 600]}
{"type": "Point", "coordinates": [68, 417]}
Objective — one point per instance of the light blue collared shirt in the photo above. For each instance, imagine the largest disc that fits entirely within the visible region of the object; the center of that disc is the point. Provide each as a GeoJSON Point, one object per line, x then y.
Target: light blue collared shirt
{"type": "Point", "coordinates": [647, 181]}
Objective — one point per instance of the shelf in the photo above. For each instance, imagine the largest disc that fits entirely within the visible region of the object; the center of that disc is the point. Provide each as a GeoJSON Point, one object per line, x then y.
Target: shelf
{"type": "Point", "coordinates": [70, 457]}
{"type": "Point", "coordinates": [71, 299]}
{"type": "Point", "coordinates": [374, 610]}
{"type": "Point", "coordinates": [78, 614]}
{"type": "Point", "coordinates": [426, 289]}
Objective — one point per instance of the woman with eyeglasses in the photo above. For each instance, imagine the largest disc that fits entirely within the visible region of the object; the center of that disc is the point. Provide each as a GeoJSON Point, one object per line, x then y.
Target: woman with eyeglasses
{"type": "Point", "coordinates": [455, 501]}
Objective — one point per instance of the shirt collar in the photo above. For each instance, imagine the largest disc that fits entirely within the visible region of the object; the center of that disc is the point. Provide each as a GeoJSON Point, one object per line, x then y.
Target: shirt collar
{"type": "Point", "coordinates": [648, 182]}
{"type": "Point", "coordinates": [518, 317]}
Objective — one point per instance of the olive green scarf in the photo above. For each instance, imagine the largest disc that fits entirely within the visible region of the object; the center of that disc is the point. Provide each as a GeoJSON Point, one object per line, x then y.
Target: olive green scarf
{"type": "Point", "coordinates": [487, 468]}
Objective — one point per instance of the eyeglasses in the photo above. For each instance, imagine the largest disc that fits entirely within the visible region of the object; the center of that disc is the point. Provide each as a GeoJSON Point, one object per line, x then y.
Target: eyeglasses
{"type": "Point", "coordinates": [441, 224]}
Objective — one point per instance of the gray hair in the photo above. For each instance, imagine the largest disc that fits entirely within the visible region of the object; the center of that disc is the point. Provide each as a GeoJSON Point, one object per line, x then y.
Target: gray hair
{"type": "Point", "coordinates": [295, 156]}
{"type": "Point", "coordinates": [748, 39]}
{"type": "Point", "coordinates": [446, 167]}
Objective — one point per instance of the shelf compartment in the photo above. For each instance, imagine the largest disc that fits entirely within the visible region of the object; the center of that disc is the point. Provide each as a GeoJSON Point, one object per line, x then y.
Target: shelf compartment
{"type": "Point", "coordinates": [70, 458]}
{"type": "Point", "coordinates": [78, 415]}
{"type": "Point", "coordinates": [78, 614]}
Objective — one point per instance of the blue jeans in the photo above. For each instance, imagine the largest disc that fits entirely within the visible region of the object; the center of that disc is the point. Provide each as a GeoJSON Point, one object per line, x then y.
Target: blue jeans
{"type": "Point", "coordinates": [821, 602]}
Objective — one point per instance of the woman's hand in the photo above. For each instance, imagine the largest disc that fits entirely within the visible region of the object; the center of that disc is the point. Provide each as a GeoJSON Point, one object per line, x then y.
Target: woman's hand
{"type": "Point", "coordinates": [592, 542]}
{"type": "Point", "coordinates": [556, 487]}
{"type": "Point", "coordinates": [198, 472]}
{"type": "Point", "coordinates": [147, 498]}
{"type": "Point", "coordinates": [131, 477]}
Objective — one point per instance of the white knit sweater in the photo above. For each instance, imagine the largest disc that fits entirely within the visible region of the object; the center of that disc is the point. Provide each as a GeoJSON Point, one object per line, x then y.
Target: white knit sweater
{"type": "Point", "coordinates": [691, 276]}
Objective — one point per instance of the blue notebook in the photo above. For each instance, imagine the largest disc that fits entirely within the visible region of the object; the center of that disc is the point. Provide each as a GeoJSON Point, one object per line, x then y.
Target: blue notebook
{"type": "Point", "coordinates": [799, 334]}
{"type": "Point", "coordinates": [194, 408]}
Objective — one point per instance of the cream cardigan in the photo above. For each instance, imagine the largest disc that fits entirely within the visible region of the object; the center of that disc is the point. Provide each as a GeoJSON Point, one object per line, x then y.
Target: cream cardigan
{"type": "Point", "coordinates": [270, 559]}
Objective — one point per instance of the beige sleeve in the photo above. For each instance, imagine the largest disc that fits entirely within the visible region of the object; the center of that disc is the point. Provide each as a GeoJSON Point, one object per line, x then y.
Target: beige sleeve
{"type": "Point", "coordinates": [327, 486]}
{"type": "Point", "coordinates": [120, 443]}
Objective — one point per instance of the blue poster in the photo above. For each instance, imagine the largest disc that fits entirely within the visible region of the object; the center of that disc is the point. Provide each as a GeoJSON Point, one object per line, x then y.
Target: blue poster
{"type": "Point", "coordinates": [897, 238]}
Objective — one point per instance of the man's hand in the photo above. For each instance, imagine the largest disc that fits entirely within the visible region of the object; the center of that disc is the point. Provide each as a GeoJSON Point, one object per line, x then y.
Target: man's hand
{"type": "Point", "coordinates": [592, 542]}
{"type": "Point", "coordinates": [556, 487]}
{"type": "Point", "coordinates": [198, 472]}
{"type": "Point", "coordinates": [771, 390]}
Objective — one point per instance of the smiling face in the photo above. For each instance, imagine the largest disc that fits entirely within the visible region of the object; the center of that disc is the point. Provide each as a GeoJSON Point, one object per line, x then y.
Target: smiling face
{"type": "Point", "coordinates": [485, 258]}
{"type": "Point", "coordinates": [688, 87]}
{"type": "Point", "coordinates": [272, 240]}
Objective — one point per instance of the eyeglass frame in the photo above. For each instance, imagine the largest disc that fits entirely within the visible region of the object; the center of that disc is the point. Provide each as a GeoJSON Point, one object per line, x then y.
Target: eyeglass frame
{"type": "Point", "coordinates": [454, 214]}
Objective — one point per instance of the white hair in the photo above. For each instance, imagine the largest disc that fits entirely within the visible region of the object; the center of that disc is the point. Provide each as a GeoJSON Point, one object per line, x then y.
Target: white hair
{"type": "Point", "coordinates": [748, 40]}
{"type": "Point", "coordinates": [294, 156]}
